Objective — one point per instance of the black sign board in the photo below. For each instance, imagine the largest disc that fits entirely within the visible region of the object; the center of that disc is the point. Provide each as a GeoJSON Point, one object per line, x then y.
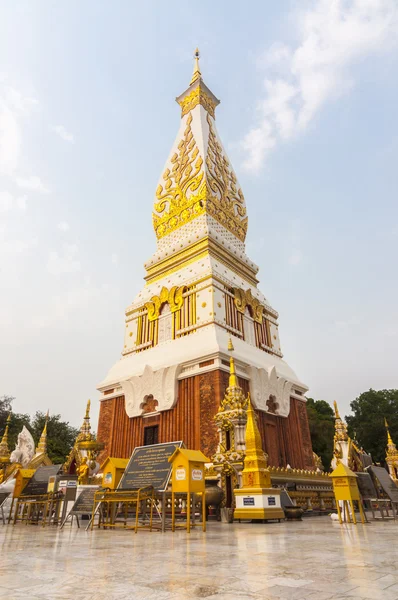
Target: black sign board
{"type": "Point", "coordinates": [366, 486]}
{"type": "Point", "coordinates": [37, 485]}
{"type": "Point", "coordinates": [149, 465]}
{"type": "Point", "coordinates": [85, 501]}
{"type": "Point", "coordinates": [248, 501]}
{"type": "Point", "coordinates": [285, 499]}
{"type": "Point", "coordinates": [387, 484]}
{"type": "Point", "coordinates": [271, 501]}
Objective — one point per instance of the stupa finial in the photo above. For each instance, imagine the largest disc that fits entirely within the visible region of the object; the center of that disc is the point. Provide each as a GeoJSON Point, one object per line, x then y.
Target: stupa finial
{"type": "Point", "coordinates": [389, 438]}
{"type": "Point", "coordinates": [233, 380]}
{"type": "Point", "coordinates": [196, 70]}
{"type": "Point", "coordinates": [4, 449]}
{"type": "Point", "coordinates": [42, 445]}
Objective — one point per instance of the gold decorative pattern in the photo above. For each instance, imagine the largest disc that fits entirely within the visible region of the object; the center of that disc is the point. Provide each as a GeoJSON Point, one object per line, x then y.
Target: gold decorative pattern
{"type": "Point", "coordinates": [173, 297]}
{"type": "Point", "coordinates": [222, 182]}
{"type": "Point", "coordinates": [197, 96]}
{"type": "Point", "coordinates": [192, 188]}
{"type": "Point", "coordinates": [245, 298]}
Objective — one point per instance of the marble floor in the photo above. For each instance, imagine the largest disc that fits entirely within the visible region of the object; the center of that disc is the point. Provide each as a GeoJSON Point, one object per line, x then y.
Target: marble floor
{"type": "Point", "coordinates": [314, 559]}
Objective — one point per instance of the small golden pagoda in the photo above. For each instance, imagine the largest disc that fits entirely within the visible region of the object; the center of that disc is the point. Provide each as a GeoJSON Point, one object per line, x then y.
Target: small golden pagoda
{"type": "Point", "coordinates": [347, 450]}
{"type": "Point", "coordinates": [231, 420]}
{"type": "Point", "coordinates": [4, 451]}
{"type": "Point", "coordinates": [41, 457]}
{"type": "Point", "coordinates": [82, 457]}
{"type": "Point", "coordinates": [256, 499]}
{"type": "Point", "coordinates": [391, 455]}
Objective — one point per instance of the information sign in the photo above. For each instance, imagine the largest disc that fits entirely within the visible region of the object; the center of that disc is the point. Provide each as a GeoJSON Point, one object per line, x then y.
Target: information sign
{"type": "Point", "coordinates": [366, 486]}
{"type": "Point", "coordinates": [149, 466]}
{"type": "Point", "coordinates": [249, 501]}
{"type": "Point", "coordinates": [386, 482]}
{"type": "Point", "coordinates": [85, 501]}
{"type": "Point", "coordinates": [37, 485]}
{"type": "Point", "coordinates": [271, 501]}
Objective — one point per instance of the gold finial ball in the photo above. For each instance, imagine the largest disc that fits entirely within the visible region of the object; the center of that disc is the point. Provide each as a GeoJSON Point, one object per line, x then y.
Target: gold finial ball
{"type": "Point", "coordinates": [197, 54]}
{"type": "Point", "coordinates": [230, 345]}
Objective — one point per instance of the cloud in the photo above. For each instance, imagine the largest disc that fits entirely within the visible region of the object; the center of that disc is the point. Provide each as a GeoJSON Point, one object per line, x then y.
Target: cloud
{"type": "Point", "coordinates": [333, 36]}
{"type": "Point", "coordinates": [115, 259]}
{"type": "Point", "coordinates": [67, 262]}
{"type": "Point", "coordinates": [13, 108]}
{"type": "Point", "coordinates": [8, 202]}
{"type": "Point", "coordinates": [63, 226]}
{"type": "Point", "coordinates": [63, 133]}
{"type": "Point", "coordinates": [32, 183]}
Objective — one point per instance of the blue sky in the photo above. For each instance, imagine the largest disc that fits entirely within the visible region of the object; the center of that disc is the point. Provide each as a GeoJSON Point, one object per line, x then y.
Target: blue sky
{"type": "Point", "coordinates": [87, 116]}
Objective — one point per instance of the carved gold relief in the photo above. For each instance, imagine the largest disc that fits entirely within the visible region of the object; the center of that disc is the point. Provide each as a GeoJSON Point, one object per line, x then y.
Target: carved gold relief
{"type": "Point", "coordinates": [245, 298]}
{"type": "Point", "coordinates": [191, 190]}
{"type": "Point", "coordinates": [197, 96]}
{"type": "Point", "coordinates": [173, 297]}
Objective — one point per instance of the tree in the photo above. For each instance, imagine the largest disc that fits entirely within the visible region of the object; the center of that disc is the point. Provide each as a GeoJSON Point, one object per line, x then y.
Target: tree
{"type": "Point", "coordinates": [60, 435]}
{"type": "Point", "coordinates": [367, 421]}
{"type": "Point", "coordinates": [321, 422]}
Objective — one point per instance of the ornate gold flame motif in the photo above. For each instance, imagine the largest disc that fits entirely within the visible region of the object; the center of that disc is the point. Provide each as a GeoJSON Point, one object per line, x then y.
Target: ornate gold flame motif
{"type": "Point", "coordinates": [215, 185]}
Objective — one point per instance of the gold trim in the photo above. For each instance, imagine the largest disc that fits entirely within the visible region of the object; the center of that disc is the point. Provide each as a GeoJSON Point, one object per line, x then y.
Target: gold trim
{"type": "Point", "coordinates": [197, 96]}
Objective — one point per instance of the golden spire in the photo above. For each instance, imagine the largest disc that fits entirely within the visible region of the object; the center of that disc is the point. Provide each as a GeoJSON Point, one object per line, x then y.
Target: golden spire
{"type": "Point", "coordinates": [340, 427]}
{"type": "Point", "coordinates": [336, 410]}
{"type": "Point", "coordinates": [255, 473]}
{"type": "Point", "coordinates": [4, 449]}
{"type": "Point", "coordinates": [196, 70]}
{"type": "Point", "coordinates": [390, 443]}
{"type": "Point", "coordinates": [233, 380]}
{"type": "Point", "coordinates": [85, 429]}
{"type": "Point", "coordinates": [42, 445]}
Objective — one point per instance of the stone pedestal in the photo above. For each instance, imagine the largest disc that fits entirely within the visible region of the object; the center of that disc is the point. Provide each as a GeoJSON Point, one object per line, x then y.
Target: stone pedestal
{"type": "Point", "coordinates": [258, 503]}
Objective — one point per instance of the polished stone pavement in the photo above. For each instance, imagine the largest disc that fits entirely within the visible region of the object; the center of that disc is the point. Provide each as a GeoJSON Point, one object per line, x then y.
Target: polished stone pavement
{"type": "Point", "coordinates": [314, 559]}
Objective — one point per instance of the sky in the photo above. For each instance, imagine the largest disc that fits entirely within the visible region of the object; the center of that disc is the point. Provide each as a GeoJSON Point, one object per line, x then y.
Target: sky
{"type": "Point", "coordinates": [308, 116]}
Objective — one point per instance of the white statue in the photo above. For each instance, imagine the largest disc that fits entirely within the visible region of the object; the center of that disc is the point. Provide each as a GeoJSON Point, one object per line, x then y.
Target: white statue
{"type": "Point", "coordinates": [24, 449]}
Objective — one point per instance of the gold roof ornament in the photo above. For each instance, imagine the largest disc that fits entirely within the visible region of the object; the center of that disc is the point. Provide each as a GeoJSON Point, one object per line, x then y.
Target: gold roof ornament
{"type": "Point", "coordinates": [255, 473]}
{"type": "Point", "coordinates": [4, 449]}
{"type": "Point", "coordinates": [196, 70]}
{"type": "Point", "coordinates": [42, 445]}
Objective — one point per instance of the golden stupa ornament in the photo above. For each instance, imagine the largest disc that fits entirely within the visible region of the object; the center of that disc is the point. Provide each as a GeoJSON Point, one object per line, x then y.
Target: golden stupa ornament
{"type": "Point", "coordinates": [196, 71]}
{"type": "Point", "coordinates": [391, 454]}
{"type": "Point", "coordinates": [4, 449]}
{"type": "Point", "coordinates": [256, 499]}
{"type": "Point", "coordinates": [42, 445]}
{"type": "Point", "coordinates": [255, 473]}
{"type": "Point", "coordinates": [340, 427]}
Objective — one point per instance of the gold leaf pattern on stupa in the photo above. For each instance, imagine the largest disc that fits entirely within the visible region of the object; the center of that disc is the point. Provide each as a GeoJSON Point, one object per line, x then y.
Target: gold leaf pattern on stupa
{"type": "Point", "coordinates": [192, 187]}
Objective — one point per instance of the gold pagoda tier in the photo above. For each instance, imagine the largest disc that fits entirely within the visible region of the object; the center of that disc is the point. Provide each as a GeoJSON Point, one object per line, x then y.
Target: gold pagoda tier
{"type": "Point", "coordinates": [256, 499]}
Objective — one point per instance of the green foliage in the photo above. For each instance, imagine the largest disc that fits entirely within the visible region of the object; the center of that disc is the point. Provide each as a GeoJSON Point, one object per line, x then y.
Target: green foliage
{"type": "Point", "coordinates": [60, 435]}
{"type": "Point", "coordinates": [367, 421]}
{"type": "Point", "coordinates": [321, 422]}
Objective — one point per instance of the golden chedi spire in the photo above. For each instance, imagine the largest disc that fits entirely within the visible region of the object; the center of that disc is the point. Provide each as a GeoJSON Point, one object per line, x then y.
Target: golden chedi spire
{"type": "Point", "coordinates": [234, 398]}
{"type": "Point", "coordinates": [196, 70]}
{"type": "Point", "coordinates": [340, 427]}
{"type": "Point", "coordinates": [85, 434]}
{"type": "Point", "coordinates": [255, 473]}
{"type": "Point", "coordinates": [4, 449]}
{"type": "Point", "coordinates": [391, 447]}
{"type": "Point", "coordinates": [42, 445]}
